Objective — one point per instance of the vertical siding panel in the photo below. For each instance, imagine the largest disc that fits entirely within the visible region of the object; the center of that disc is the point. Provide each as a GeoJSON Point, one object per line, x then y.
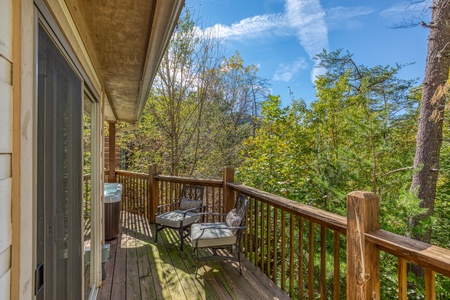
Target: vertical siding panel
{"type": "Point", "coordinates": [5, 214]}
{"type": "Point", "coordinates": [5, 110]}
{"type": "Point", "coordinates": [5, 280]}
{"type": "Point", "coordinates": [5, 166]}
{"type": "Point", "coordinates": [6, 29]}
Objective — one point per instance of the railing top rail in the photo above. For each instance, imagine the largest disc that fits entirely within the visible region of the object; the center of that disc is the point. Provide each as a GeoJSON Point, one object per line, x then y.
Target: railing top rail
{"type": "Point", "coordinates": [177, 179]}
{"type": "Point", "coordinates": [327, 219]}
{"type": "Point", "coordinates": [132, 174]}
{"type": "Point", "coordinates": [423, 254]}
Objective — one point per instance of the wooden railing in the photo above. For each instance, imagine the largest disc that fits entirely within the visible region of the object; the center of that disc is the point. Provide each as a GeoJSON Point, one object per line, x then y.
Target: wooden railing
{"type": "Point", "coordinates": [292, 243]}
{"type": "Point", "coordinates": [306, 251]}
{"type": "Point", "coordinates": [135, 192]}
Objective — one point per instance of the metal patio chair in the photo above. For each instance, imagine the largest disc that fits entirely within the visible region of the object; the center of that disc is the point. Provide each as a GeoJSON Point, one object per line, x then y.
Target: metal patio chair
{"type": "Point", "coordinates": [221, 235]}
{"type": "Point", "coordinates": [182, 214]}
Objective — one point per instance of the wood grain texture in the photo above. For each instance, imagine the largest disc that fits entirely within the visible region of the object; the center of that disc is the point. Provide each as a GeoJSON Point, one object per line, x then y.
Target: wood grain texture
{"type": "Point", "coordinates": [163, 272]}
{"type": "Point", "coordinates": [228, 193]}
{"type": "Point", "coordinates": [430, 284]}
{"type": "Point", "coordinates": [402, 283]}
{"type": "Point", "coordinates": [363, 258]}
{"type": "Point", "coordinates": [423, 254]}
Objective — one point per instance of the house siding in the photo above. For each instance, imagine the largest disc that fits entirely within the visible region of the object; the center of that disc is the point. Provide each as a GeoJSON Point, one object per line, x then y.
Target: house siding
{"type": "Point", "coordinates": [5, 146]}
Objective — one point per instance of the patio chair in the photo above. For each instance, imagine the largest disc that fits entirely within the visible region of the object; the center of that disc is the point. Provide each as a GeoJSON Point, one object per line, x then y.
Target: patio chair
{"type": "Point", "coordinates": [182, 214]}
{"type": "Point", "coordinates": [221, 235]}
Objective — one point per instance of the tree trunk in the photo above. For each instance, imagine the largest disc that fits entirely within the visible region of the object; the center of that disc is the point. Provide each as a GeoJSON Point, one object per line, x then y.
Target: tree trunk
{"type": "Point", "coordinates": [429, 135]}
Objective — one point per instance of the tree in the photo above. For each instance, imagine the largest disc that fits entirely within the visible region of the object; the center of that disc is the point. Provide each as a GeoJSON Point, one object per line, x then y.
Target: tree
{"type": "Point", "coordinates": [178, 98]}
{"type": "Point", "coordinates": [429, 134]}
{"type": "Point", "coordinates": [201, 107]}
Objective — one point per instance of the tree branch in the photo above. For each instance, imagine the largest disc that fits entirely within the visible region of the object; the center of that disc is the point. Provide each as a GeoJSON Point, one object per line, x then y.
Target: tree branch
{"type": "Point", "coordinates": [398, 170]}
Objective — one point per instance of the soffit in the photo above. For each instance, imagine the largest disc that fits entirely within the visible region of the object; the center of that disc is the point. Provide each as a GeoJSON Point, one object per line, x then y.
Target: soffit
{"type": "Point", "coordinates": [126, 40]}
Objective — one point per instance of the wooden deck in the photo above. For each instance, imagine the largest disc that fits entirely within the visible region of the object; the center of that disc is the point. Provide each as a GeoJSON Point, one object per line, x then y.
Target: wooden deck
{"type": "Point", "coordinates": [140, 269]}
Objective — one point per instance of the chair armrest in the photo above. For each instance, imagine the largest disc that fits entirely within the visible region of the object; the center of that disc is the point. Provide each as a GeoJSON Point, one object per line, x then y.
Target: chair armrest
{"type": "Point", "coordinates": [198, 208]}
{"type": "Point", "coordinates": [213, 226]}
{"type": "Point", "coordinates": [212, 213]}
{"type": "Point", "coordinates": [205, 226]}
{"type": "Point", "coordinates": [159, 207]}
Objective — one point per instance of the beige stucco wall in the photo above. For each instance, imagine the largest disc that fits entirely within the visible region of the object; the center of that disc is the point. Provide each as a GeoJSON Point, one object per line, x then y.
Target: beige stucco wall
{"type": "Point", "coordinates": [5, 146]}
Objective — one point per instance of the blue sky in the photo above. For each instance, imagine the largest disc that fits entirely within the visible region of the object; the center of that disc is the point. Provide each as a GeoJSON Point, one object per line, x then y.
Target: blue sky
{"type": "Point", "coordinates": [282, 36]}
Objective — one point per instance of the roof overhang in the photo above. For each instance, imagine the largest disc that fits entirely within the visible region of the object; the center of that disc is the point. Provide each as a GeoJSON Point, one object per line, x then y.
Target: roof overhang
{"type": "Point", "coordinates": [126, 41]}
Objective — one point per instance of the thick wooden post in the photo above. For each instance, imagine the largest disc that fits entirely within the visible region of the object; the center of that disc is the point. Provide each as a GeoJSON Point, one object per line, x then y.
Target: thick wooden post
{"type": "Point", "coordinates": [363, 258]}
{"type": "Point", "coordinates": [153, 192]}
{"type": "Point", "coordinates": [228, 196]}
{"type": "Point", "coordinates": [112, 152]}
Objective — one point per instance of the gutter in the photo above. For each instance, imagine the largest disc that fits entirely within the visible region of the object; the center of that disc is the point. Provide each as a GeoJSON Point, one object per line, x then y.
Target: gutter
{"type": "Point", "coordinates": [153, 60]}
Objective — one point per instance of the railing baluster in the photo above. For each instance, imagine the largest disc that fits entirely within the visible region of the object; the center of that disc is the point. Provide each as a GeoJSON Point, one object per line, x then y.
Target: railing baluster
{"type": "Point", "coordinates": [269, 238]}
{"type": "Point", "coordinates": [311, 261]}
{"type": "Point", "coordinates": [337, 267]}
{"type": "Point", "coordinates": [262, 237]}
{"type": "Point", "coordinates": [291, 256]}
{"type": "Point", "coordinates": [252, 233]}
{"type": "Point", "coordinates": [430, 284]}
{"type": "Point", "coordinates": [257, 241]}
{"type": "Point", "coordinates": [300, 258]}
{"type": "Point", "coordinates": [283, 250]}
{"type": "Point", "coordinates": [323, 236]}
{"type": "Point", "coordinates": [402, 282]}
{"type": "Point", "coordinates": [275, 248]}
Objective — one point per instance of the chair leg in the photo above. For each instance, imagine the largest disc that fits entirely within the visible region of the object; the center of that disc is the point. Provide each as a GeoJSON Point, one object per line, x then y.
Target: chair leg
{"type": "Point", "coordinates": [239, 261]}
{"type": "Point", "coordinates": [196, 263]}
{"type": "Point", "coordinates": [181, 238]}
{"type": "Point", "coordinates": [156, 233]}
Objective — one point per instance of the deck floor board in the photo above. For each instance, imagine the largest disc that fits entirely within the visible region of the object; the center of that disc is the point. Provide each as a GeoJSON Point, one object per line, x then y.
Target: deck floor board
{"type": "Point", "coordinates": [139, 268]}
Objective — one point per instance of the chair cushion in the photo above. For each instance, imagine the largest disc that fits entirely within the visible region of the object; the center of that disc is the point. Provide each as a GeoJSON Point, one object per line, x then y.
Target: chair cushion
{"type": "Point", "coordinates": [173, 218]}
{"type": "Point", "coordinates": [233, 219]}
{"type": "Point", "coordinates": [213, 237]}
{"type": "Point", "coordinates": [186, 203]}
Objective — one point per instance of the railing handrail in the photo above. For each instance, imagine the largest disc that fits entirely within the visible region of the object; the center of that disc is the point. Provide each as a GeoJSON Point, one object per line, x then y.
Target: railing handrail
{"type": "Point", "coordinates": [189, 180]}
{"type": "Point", "coordinates": [319, 216]}
{"type": "Point", "coordinates": [132, 174]}
{"type": "Point", "coordinates": [423, 254]}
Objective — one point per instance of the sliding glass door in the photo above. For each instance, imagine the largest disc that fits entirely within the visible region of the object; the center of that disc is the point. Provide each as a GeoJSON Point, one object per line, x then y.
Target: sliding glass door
{"type": "Point", "coordinates": [59, 175]}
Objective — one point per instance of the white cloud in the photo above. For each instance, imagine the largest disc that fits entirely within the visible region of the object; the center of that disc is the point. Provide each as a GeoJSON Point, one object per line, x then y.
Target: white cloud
{"type": "Point", "coordinates": [285, 72]}
{"type": "Point", "coordinates": [304, 19]}
{"type": "Point", "coordinates": [344, 17]}
{"type": "Point", "coordinates": [308, 19]}
{"type": "Point", "coordinates": [249, 27]}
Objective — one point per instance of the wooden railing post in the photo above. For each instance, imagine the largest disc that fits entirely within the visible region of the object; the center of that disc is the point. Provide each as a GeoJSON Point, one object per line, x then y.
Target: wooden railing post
{"type": "Point", "coordinates": [228, 176]}
{"type": "Point", "coordinates": [112, 152]}
{"type": "Point", "coordinates": [363, 258]}
{"type": "Point", "coordinates": [153, 192]}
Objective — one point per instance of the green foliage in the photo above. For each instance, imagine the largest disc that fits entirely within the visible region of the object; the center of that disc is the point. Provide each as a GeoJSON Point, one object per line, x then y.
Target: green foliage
{"type": "Point", "coordinates": [200, 109]}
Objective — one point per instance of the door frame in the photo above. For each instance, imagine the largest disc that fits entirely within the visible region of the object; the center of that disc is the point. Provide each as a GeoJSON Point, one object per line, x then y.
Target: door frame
{"type": "Point", "coordinates": [44, 17]}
